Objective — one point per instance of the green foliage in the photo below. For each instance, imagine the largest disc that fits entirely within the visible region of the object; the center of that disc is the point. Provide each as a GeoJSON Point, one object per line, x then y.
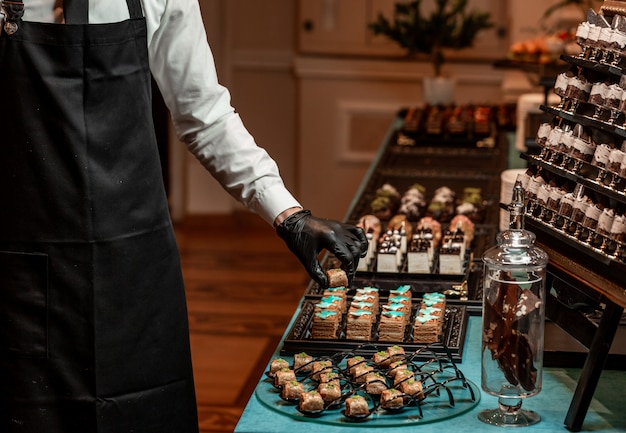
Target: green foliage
{"type": "Point", "coordinates": [448, 26]}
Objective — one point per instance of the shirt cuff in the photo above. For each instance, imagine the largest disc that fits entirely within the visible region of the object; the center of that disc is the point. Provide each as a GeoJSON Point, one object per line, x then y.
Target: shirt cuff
{"type": "Point", "coordinates": [272, 201]}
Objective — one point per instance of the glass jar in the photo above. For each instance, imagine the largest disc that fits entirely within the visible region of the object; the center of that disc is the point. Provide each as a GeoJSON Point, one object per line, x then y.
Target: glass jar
{"type": "Point", "coordinates": [513, 320]}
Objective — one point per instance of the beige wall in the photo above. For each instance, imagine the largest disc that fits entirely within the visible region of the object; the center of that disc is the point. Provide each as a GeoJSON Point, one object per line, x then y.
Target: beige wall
{"type": "Point", "coordinates": [321, 117]}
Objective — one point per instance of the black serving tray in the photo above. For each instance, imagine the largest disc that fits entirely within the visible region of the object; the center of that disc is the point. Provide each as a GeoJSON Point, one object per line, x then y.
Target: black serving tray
{"type": "Point", "coordinates": [299, 336]}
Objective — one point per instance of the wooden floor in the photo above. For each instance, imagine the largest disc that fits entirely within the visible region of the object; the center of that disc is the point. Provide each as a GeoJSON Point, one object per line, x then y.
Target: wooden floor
{"type": "Point", "coordinates": [243, 287]}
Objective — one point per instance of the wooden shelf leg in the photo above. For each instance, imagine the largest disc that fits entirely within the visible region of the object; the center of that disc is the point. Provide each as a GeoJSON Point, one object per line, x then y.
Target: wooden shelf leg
{"type": "Point", "coordinates": [592, 369]}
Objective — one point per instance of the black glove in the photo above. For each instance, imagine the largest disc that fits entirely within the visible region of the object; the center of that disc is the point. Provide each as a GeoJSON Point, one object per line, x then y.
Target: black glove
{"type": "Point", "coordinates": [306, 236]}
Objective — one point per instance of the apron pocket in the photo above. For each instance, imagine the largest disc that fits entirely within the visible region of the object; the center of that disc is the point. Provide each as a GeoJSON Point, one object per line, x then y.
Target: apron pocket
{"type": "Point", "coordinates": [24, 304]}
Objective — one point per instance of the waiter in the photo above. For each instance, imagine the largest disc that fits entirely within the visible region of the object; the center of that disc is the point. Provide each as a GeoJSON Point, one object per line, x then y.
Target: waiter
{"type": "Point", "coordinates": [93, 321]}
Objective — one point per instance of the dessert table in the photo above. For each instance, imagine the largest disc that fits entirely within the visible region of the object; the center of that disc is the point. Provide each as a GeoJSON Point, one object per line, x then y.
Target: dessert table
{"type": "Point", "coordinates": [606, 412]}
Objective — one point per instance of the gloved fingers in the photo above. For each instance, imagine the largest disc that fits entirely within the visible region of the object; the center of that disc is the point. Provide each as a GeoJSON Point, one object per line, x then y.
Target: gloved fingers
{"type": "Point", "coordinates": [315, 271]}
{"type": "Point", "coordinates": [345, 256]}
{"type": "Point", "coordinates": [362, 239]}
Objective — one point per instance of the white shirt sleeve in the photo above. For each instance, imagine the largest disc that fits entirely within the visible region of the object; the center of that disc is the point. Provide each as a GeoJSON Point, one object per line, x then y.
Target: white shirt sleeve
{"type": "Point", "coordinates": [182, 65]}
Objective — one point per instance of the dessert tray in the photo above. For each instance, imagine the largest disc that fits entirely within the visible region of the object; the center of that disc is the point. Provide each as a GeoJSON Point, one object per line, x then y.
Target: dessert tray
{"type": "Point", "coordinates": [299, 338]}
{"type": "Point", "coordinates": [441, 392]}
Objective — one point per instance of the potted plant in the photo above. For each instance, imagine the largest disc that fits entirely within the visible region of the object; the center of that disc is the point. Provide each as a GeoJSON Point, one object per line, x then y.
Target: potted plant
{"type": "Point", "coordinates": [448, 26]}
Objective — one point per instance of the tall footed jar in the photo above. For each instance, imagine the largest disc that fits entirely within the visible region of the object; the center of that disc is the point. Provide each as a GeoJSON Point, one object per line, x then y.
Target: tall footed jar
{"type": "Point", "coordinates": [513, 320]}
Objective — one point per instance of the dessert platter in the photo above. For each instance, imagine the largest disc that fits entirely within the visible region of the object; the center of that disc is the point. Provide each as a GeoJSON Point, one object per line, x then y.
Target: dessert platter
{"type": "Point", "coordinates": [361, 320]}
{"type": "Point", "coordinates": [392, 387]}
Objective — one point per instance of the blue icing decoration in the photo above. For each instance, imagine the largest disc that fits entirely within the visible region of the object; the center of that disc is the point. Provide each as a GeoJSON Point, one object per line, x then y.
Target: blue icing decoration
{"type": "Point", "coordinates": [393, 313]}
{"type": "Point", "coordinates": [394, 307]}
{"type": "Point", "coordinates": [402, 289]}
{"type": "Point", "coordinates": [398, 299]}
{"type": "Point", "coordinates": [362, 304]}
{"type": "Point", "coordinates": [423, 318]}
{"type": "Point", "coordinates": [430, 310]}
{"type": "Point", "coordinates": [324, 304]}
{"type": "Point", "coordinates": [361, 313]}
{"type": "Point", "coordinates": [368, 289]}
{"type": "Point", "coordinates": [336, 289]}
{"type": "Point", "coordinates": [361, 297]}
{"type": "Point", "coordinates": [325, 314]}
{"type": "Point", "coordinates": [331, 298]}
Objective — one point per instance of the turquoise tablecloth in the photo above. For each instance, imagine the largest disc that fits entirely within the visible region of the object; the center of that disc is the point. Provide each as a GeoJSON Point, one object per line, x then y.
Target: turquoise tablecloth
{"type": "Point", "coordinates": [607, 412]}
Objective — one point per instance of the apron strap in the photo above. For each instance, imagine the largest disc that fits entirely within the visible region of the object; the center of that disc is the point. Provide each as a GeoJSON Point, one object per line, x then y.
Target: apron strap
{"type": "Point", "coordinates": [14, 11]}
{"type": "Point", "coordinates": [77, 11]}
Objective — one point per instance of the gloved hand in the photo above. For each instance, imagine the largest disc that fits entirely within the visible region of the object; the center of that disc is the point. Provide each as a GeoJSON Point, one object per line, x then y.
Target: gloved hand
{"type": "Point", "coordinates": [306, 236]}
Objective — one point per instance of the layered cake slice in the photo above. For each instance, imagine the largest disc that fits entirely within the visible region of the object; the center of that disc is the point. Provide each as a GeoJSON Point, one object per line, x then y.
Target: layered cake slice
{"type": "Point", "coordinates": [392, 326]}
{"type": "Point", "coordinates": [359, 325]}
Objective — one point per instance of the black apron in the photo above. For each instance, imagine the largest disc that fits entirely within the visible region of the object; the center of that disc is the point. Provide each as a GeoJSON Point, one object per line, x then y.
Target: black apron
{"type": "Point", "coordinates": [93, 320]}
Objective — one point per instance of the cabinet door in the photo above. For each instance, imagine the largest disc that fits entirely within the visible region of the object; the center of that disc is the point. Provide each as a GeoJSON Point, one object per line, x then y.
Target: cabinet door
{"type": "Point", "coordinates": [332, 26]}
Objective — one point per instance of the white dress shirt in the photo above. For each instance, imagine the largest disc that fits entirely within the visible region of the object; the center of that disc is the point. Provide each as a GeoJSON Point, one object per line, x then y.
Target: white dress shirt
{"type": "Point", "coordinates": [182, 65]}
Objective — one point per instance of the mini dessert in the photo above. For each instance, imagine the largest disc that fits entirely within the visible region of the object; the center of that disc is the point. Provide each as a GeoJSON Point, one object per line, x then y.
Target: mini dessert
{"type": "Point", "coordinates": [554, 199]}
{"type": "Point", "coordinates": [471, 204]}
{"type": "Point", "coordinates": [372, 228]}
{"type": "Point", "coordinates": [615, 160]}
{"type": "Point", "coordinates": [375, 383]}
{"type": "Point", "coordinates": [402, 376]}
{"type": "Point", "coordinates": [427, 327]}
{"type": "Point", "coordinates": [605, 222]}
{"type": "Point", "coordinates": [578, 89]}
{"type": "Point", "coordinates": [431, 229]}
{"type": "Point", "coordinates": [328, 376]}
{"type": "Point", "coordinates": [560, 85]}
{"type": "Point", "coordinates": [337, 278]}
{"type": "Point", "coordinates": [302, 362]}
{"type": "Point", "coordinates": [391, 399]}
{"type": "Point", "coordinates": [390, 256]}
{"type": "Point", "coordinates": [353, 362]}
{"type": "Point", "coordinates": [283, 376]}
{"type": "Point", "coordinates": [420, 255]}
{"type": "Point", "coordinates": [359, 324]}
{"type": "Point", "coordinates": [592, 214]}
{"type": "Point", "coordinates": [601, 155]}
{"type": "Point", "coordinates": [385, 205]}
{"type": "Point", "coordinates": [325, 324]}
{"type": "Point", "coordinates": [277, 365]}
{"type": "Point", "coordinates": [566, 206]}
{"type": "Point", "coordinates": [382, 358]}
{"type": "Point", "coordinates": [452, 253]}
{"type": "Point", "coordinates": [543, 132]}
{"type": "Point", "coordinates": [367, 294]}
{"type": "Point", "coordinates": [465, 226]}
{"type": "Point", "coordinates": [331, 303]}
{"type": "Point", "coordinates": [583, 150]}
{"type": "Point", "coordinates": [311, 402]}
{"type": "Point", "coordinates": [392, 325]}
{"type": "Point", "coordinates": [332, 293]}
{"type": "Point", "coordinates": [356, 406]}
{"type": "Point", "coordinates": [566, 142]}
{"type": "Point", "coordinates": [320, 367]}
{"type": "Point", "coordinates": [330, 391]}
{"type": "Point", "coordinates": [534, 182]}
{"type": "Point", "coordinates": [395, 367]}
{"type": "Point", "coordinates": [403, 290]}
{"type": "Point", "coordinates": [598, 93]}
{"type": "Point", "coordinates": [618, 229]}
{"type": "Point", "coordinates": [413, 202]}
{"type": "Point", "coordinates": [441, 206]}
{"type": "Point", "coordinates": [361, 371]}
{"type": "Point", "coordinates": [292, 390]}
{"type": "Point", "coordinates": [413, 387]}
{"type": "Point", "coordinates": [399, 225]}
{"type": "Point", "coordinates": [613, 96]}
{"type": "Point", "coordinates": [434, 299]}
{"type": "Point", "coordinates": [396, 353]}
{"type": "Point", "coordinates": [405, 301]}
{"type": "Point", "coordinates": [580, 208]}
